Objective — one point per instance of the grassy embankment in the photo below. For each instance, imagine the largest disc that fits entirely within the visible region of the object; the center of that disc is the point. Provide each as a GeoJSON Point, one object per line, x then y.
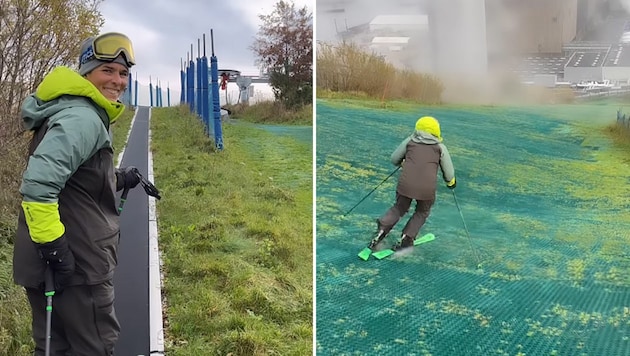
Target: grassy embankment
{"type": "Point", "coordinates": [270, 112]}
{"type": "Point", "coordinates": [347, 72]}
{"type": "Point", "coordinates": [236, 238]}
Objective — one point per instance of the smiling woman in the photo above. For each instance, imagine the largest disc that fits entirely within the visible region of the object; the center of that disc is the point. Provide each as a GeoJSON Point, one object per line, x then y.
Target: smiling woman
{"type": "Point", "coordinates": [105, 61]}
{"type": "Point", "coordinates": [68, 230]}
{"type": "Point", "coordinates": [110, 79]}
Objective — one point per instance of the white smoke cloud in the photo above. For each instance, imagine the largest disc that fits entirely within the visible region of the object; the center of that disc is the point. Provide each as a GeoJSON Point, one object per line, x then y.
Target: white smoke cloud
{"type": "Point", "coordinates": [626, 5]}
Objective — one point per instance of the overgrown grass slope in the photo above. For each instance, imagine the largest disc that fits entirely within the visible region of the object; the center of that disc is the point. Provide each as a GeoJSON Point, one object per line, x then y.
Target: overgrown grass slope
{"type": "Point", "coordinates": [236, 238]}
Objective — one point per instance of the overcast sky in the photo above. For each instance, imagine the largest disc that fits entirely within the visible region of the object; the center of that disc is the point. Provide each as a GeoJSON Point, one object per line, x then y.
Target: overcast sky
{"type": "Point", "coordinates": [163, 30]}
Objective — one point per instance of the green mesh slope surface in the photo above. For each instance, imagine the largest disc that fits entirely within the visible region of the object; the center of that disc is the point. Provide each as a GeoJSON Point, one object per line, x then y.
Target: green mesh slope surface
{"type": "Point", "coordinates": [546, 201]}
{"type": "Point", "coordinates": [301, 133]}
{"type": "Point", "coordinates": [290, 143]}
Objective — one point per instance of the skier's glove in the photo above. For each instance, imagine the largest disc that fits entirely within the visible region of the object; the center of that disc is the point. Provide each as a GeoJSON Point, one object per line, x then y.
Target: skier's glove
{"type": "Point", "coordinates": [451, 184]}
{"type": "Point", "coordinates": [59, 258]}
{"type": "Point", "coordinates": [127, 178]}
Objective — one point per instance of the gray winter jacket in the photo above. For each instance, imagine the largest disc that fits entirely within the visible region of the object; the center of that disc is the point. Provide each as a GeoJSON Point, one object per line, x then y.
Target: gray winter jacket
{"type": "Point", "coordinates": [422, 153]}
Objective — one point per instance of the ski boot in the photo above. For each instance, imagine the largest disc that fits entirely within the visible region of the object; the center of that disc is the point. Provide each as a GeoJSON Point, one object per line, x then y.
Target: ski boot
{"type": "Point", "coordinates": [405, 241]}
{"type": "Point", "coordinates": [380, 235]}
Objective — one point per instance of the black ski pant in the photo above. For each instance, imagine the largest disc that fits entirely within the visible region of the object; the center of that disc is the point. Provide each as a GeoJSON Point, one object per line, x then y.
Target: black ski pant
{"type": "Point", "coordinates": [400, 208]}
{"type": "Point", "coordinates": [83, 321]}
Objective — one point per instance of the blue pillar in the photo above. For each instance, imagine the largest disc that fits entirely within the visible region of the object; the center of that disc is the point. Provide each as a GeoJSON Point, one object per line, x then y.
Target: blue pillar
{"type": "Point", "coordinates": [218, 134]}
{"type": "Point", "coordinates": [151, 94]}
{"type": "Point", "coordinates": [198, 89]}
{"type": "Point", "coordinates": [128, 96]}
{"type": "Point", "coordinates": [182, 94]}
{"type": "Point", "coordinates": [190, 82]}
{"type": "Point", "coordinates": [205, 109]}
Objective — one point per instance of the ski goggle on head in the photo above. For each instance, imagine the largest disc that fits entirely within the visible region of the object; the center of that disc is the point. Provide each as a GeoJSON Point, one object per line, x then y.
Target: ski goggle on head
{"type": "Point", "coordinates": [107, 47]}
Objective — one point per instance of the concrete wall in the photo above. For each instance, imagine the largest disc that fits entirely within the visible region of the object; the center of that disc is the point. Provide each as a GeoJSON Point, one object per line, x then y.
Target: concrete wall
{"type": "Point", "coordinates": [621, 74]}
{"type": "Point", "coordinates": [532, 26]}
{"type": "Point", "coordinates": [458, 37]}
{"type": "Point", "coordinates": [579, 74]}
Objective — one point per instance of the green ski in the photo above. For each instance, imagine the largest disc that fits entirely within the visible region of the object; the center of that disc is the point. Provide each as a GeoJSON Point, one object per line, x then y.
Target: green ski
{"type": "Point", "coordinates": [388, 252]}
{"type": "Point", "coordinates": [365, 254]}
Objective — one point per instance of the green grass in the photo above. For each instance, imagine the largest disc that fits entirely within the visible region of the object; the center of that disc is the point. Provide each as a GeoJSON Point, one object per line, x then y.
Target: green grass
{"type": "Point", "coordinates": [15, 312]}
{"type": "Point", "coordinates": [236, 238]}
{"type": "Point", "coordinates": [343, 101]}
{"type": "Point", "coordinates": [620, 135]}
{"type": "Point", "coordinates": [272, 112]}
{"type": "Point", "coordinates": [346, 68]}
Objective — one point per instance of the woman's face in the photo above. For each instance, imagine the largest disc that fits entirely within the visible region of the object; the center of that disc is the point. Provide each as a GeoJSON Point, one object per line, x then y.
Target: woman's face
{"type": "Point", "coordinates": [110, 79]}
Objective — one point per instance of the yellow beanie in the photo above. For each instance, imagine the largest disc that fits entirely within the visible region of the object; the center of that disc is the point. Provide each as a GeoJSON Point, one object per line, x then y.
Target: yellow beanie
{"type": "Point", "coordinates": [429, 124]}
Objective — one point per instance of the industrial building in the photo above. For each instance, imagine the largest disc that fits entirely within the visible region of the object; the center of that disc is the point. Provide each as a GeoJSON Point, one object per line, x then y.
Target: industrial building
{"type": "Point", "coordinates": [566, 40]}
{"type": "Point", "coordinates": [574, 40]}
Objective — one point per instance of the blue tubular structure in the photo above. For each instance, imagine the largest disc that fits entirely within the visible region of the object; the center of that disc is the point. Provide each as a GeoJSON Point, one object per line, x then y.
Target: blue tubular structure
{"type": "Point", "coordinates": [199, 97]}
{"type": "Point", "coordinates": [205, 98]}
{"type": "Point", "coordinates": [151, 94]}
{"type": "Point", "coordinates": [128, 93]}
{"type": "Point", "coordinates": [168, 95]}
{"type": "Point", "coordinates": [214, 71]}
{"type": "Point", "coordinates": [201, 92]}
{"type": "Point", "coordinates": [205, 108]}
{"type": "Point", "coordinates": [191, 85]}
{"type": "Point", "coordinates": [136, 91]}
{"type": "Point", "coordinates": [182, 78]}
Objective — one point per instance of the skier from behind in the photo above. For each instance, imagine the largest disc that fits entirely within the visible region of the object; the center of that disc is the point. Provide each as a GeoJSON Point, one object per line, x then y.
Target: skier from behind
{"type": "Point", "coordinates": [419, 155]}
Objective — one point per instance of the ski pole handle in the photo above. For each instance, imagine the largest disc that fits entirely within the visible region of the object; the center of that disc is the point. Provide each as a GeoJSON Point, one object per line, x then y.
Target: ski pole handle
{"type": "Point", "coordinates": [49, 281]}
{"type": "Point", "coordinates": [123, 199]}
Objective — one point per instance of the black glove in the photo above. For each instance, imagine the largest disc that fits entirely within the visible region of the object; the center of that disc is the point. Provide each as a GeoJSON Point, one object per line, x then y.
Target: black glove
{"type": "Point", "coordinates": [127, 178]}
{"type": "Point", "coordinates": [60, 259]}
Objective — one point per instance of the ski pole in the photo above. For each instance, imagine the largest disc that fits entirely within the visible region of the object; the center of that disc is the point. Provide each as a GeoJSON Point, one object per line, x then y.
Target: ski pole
{"type": "Point", "coordinates": [123, 199]}
{"type": "Point", "coordinates": [372, 191]}
{"type": "Point", "coordinates": [49, 292]}
{"type": "Point", "coordinates": [466, 228]}
{"type": "Point", "coordinates": [148, 187]}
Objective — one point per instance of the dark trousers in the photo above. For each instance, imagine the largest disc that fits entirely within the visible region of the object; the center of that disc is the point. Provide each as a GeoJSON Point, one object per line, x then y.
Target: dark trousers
{"type": "Point", "coordinates": [83, 321]}
{"type": "Point", "coordinates": [400, 208]}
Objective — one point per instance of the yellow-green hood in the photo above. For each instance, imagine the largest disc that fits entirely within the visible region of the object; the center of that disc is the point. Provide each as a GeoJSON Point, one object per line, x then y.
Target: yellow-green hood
{"type": "Point", "coordinates": [65, 81]}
